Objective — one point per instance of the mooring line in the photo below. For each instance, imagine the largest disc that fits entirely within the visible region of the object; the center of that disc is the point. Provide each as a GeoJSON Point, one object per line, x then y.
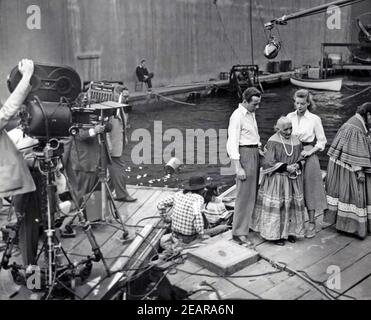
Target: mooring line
{"type": "Point", "coordinates": [172, 100]}
{"type": "Point", "coordinates": [357, 94]}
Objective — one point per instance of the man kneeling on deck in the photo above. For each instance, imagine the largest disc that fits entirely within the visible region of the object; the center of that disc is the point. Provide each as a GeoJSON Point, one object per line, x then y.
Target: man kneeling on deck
{"type": "Point", "coordinates": [187, 222]}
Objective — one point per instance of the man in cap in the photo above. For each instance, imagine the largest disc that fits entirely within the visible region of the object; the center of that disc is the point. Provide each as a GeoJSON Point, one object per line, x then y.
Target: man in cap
{"type": "Point", "coordinates": [243, 148]}
{"type": "Point", "coordinates": [187, 222]}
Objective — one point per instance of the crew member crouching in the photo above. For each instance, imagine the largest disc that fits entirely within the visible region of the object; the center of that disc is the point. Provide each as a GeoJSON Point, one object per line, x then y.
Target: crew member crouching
{"type": "Point", "coordinates": [187, 223]}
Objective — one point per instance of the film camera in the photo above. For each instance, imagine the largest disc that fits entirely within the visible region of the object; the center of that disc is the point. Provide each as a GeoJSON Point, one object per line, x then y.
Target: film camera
{"type": "Point", "coordinates": [52, 109]}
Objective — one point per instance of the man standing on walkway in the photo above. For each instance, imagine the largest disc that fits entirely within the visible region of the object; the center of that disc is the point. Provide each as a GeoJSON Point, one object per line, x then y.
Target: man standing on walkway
{"type": "Point", "coordinates": [243, 148]}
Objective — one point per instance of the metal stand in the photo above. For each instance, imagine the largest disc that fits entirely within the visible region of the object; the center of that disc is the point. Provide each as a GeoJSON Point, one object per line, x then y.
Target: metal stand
{"type": "Point", "coordinates": [52, 247]}
{"type": "Point", "coordinates": [107, 201]}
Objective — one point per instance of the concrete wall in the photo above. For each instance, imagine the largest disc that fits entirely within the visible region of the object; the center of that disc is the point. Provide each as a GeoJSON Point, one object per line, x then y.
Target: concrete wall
{"type": "Point", "coordinates": [183, 40]}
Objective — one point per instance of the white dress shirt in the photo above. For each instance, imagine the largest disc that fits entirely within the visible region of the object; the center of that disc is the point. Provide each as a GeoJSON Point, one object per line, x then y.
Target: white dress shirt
{"type": "Point", "coordinates": [242, 131]}
{"type": "Point", "coordinates": [308, 127]}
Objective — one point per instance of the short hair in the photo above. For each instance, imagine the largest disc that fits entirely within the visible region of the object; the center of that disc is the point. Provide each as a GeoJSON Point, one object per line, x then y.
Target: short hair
{"type": "Point", "coordinates": [143, 60]}
{"type": "Point", "coordinates": [305, 94]}
{"type": "Point", "coordinates": [281, 122]}
{"type": "Point", "coordinates": [249, 93]}
{"type": "Point", "coordinates": [364, 109]}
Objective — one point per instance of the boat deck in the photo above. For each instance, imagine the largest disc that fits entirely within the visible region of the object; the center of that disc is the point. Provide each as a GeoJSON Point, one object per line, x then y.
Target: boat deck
{"type": "Point", "coordinates": [320, 258]}
{"type": "Point", "coordinates": [115, 251]}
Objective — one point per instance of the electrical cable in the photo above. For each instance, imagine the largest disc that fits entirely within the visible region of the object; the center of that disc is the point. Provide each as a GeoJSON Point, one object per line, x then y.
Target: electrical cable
{"type": "Point", "coordinates": [325, 287]}
{"type": "Point", "coordinates": [285, 267]}
{"type": "Point", "coordinates": [244, 289]}
{"type": "Point", "coordinates": [231, 276]}
{"type": "Point", "coordinates": [218, 295]}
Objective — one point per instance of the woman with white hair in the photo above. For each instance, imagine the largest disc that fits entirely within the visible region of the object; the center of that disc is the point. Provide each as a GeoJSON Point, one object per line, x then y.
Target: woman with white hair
{"type": "Point", "coordinates": [308, 128]}
{"type": "Point", "coordinates": [279, 211]}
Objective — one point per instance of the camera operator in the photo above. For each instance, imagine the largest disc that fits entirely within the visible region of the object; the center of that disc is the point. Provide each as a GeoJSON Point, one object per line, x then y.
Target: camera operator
{"type": "Point", "coordinates": [84, 159]}
{"type": "Point", "coordinates": [16, 180]}
{"type": "Point", "coordinates": [14, 175]}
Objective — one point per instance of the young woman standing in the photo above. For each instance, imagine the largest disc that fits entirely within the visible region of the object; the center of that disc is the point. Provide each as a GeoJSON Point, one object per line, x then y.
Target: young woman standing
{"type": "Point", "coordinates": [308, 128]}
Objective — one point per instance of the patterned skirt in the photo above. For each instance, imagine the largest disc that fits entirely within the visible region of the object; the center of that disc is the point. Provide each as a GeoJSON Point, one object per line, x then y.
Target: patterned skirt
{"type": "Point", "coordinates": [280, 208]}
{"type": "Point", "coordinates": [349, 200]}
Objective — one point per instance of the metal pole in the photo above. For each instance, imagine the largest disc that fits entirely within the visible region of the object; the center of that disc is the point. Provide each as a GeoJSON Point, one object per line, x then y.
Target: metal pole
{"type": "Point", "coordinates": [303, 13]}
{"type": "Point", "coordinates": [322, 56]}
{"type": "Point", "coordinates": [251, 36]}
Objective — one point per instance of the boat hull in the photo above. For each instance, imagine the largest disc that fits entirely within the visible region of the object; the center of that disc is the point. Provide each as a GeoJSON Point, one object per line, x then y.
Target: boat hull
{"type": "Point", "coordinates": [320, 84]}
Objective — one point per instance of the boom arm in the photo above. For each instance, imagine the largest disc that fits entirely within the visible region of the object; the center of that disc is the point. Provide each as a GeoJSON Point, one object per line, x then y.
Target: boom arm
{"type": "Point", "coordinates": [319, 9]}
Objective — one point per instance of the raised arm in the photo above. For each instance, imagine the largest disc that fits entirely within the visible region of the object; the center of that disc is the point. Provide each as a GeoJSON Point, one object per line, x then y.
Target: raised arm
{"type": "Point", "coordinates": [15, 100]}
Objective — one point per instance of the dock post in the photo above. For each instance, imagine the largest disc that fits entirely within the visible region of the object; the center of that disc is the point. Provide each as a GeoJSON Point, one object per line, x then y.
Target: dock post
{"type": "Point", "coordinates": [321, 62]}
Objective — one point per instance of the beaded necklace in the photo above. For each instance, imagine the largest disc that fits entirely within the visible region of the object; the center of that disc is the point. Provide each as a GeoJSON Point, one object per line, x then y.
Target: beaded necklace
{"type": "Point", "coordinates": [284, 146]}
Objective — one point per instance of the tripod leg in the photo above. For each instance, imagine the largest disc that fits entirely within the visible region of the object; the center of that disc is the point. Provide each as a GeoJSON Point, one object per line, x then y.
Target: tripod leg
{"type": "Point", "coordinates": [87, 227]}
{"type": "Point", "coordinates": [68, 232]}
{"type": "Point", "coordinates": [95, 247]}
{"type": "Point", "coordinates": [116, 213]}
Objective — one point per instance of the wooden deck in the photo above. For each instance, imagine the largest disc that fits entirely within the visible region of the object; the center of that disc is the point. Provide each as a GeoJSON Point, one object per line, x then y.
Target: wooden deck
{"type": "Point", "coordinates": [329, 249]}
{"type": "Point", "coordinates": [317, 256]}
{"type": "Point", "coordinates": [109, 239]}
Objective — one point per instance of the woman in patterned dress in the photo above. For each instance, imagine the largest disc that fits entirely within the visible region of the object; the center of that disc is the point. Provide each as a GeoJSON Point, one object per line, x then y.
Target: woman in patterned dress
{"type": "Point", "coordinates": [349, 176]}
{"type": "Point", "coordinates": [279, 211]}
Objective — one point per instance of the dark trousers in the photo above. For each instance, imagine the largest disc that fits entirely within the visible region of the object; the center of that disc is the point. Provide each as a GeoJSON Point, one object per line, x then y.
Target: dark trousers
{"type": "Point", "coordinates": [118, 178]}
{"type": "Point", "coordinates": [246, 192]}
{"type": "Point", "coordinates": [149, 80]}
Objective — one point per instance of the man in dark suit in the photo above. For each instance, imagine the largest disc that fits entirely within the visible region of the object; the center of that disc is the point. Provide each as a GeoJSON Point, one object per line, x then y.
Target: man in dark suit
{"type": "Point", "coordinates": [144, 75]}
{"type": "Point", "coordinates": [84, 160]}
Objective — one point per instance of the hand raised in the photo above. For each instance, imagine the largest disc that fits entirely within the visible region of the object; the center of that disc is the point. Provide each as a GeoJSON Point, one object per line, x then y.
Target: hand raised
{"type": "Point", "coordinates": [26, 67]}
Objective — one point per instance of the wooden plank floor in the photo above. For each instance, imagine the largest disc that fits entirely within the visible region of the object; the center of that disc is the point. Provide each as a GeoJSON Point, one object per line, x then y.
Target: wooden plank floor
{"type": "Point", "coordinates": [315, 256]}
{"type": "Point", "coordinates": [108, 238]}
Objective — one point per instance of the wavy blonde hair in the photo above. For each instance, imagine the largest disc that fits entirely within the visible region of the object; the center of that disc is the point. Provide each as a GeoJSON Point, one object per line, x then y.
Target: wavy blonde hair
{"type": "Point", "coordinates": [305, 94]}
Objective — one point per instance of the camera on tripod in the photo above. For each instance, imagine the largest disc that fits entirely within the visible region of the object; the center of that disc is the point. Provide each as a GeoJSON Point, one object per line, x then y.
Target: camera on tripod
{"type": "Point", "coordinates": [55, 109]}
{"type": "Point", "coordinates": [52, 109]}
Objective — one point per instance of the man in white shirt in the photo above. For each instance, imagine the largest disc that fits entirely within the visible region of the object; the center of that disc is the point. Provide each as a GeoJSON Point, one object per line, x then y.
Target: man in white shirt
{"type": "Point", "coordinates": [243, 148]}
